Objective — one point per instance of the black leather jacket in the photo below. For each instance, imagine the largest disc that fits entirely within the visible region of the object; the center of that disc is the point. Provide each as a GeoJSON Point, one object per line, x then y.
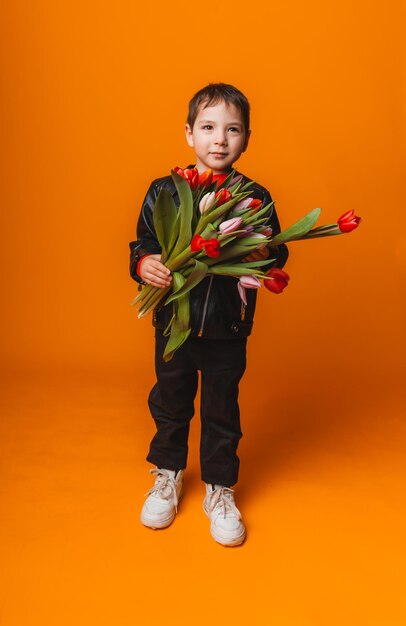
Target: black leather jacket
{"type": "Point", "coordinates": [216, 309]}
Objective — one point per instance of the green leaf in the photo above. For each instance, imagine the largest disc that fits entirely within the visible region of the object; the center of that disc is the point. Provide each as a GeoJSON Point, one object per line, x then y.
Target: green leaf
{"type": "Point", "coordinates": [176, 339]}
{"type": "Point", "coordinates": [257, 263]}
{"type": "Point", "coordinates": [185, 214]}
{"type": "Point", "coordinates": [252, 241]}
{"type": "Point", "coordinates": [248, 184]}
{"type": "Point", "coordinates": [164, 217]}
{"type": "Point", "coordinates": [180, 328]}
{"type": "Point", "coordinates": [298, 229]}
{"type": "Point", "coordinates": [168, 328]}
{"type": "Point", "coordinates": [227, 180]}
{"type": "Point", "coordinates": [233, 189]}
{"type": "Point", "coordinates": [196, 276]}
{"type": "Point", "coordinates": [234, 270]}
{"type": "Point", "coordinates": [210, 232]}
{"type": "Point", "coordinates": [318, 234]}
{"type": "Point", "coordinates": [260, 213]}
{"type": "Point", "coordinates": [233, 251]}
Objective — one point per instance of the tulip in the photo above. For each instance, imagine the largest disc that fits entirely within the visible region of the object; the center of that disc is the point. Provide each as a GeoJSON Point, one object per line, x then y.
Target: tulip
{"type": "Point", "coordinates": [206, 178]}
{"type": "Point", "coordinates": [241, 291]}
{"type": "Point", "coordinates": [250, 282]}
{"type": "Point", "coordinates": [236, 179]}
{"type": "Point", "coordinates": [222, 196]}
{"type": "Point", "coordinates": [277, 280]}
{"type": "Point", "coordinates": [211, 246]}
{"type": "Point", "coordinates": [247, 282]}
{"type": "Point", "coordinates": [258, 235]}
{"type": "Point", "coordinates": [267, 231]}
{"type": "Point", "coordinates": [229, 226]}
{"type": "Point", "coordinates": [255, 204]}
{"type": "Point", "coordinates": [247, 230]}
{"type": "Point", "coordinates": [191, 175]}
{"type": "Point", "coordinates": [197, 243]}
{"type": "Point", "coordinates": [207, 201]}
{"type": "Point", "coordinates": [242, 204]}
{"type": "Point", "coordinates": [348, 221]}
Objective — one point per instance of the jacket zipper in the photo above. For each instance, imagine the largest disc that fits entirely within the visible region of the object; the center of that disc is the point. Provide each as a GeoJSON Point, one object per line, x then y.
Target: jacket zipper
{"type": "Point", "coordinates": [200, 333]}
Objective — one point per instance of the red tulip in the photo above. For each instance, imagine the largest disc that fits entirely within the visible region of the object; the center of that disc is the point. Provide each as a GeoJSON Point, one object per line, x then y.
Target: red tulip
{"type": "Point", "coordinates": [190, 174]}
{"type": "Point", "coordinates": [206, 178]}
{"type": "Point", "coordinates": [277, 281]}
{"type": "Point", "coordinates": [197, 243]}
{"type": "Point", "coordinates": [348, 221]}
{"type": "Point", "coordinates": [222, 196]}
{"type": "Point", "coordinates": [211, 246]}
{"type": "Point", "coordinates": [255, 204]}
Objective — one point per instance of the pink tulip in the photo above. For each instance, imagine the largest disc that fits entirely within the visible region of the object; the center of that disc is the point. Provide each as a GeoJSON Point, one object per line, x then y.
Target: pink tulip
{"type": "Point", "coordinates": [267, 231]}
{"type": "Point", "coordinates": [250, 281]}
{"type": "Point", "coordinates": [230, 226]}
{"type": "Point", "coordinates": [241, 291]}
{"type": "Point", "coordinates": [235, 180]}
{"type": "Point", "coordinates": [207, 201]}
{"type": "Point", "coordinates": [247, 230]}
{"type": "Point", "coordinates": [247, 282]}
{"type": "Point", "coordinates": [242, 204]}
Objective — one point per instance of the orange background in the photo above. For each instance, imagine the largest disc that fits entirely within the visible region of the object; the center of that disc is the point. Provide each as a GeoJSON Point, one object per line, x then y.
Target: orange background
{"type": "Point", "coordinates": [93, 107]}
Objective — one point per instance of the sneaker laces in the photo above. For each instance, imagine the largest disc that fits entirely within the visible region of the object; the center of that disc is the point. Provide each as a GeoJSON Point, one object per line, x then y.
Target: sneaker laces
{"type": "Point", "coordinates": [164, 487]}
{"type": "Point", "coordinates": [222, 498]}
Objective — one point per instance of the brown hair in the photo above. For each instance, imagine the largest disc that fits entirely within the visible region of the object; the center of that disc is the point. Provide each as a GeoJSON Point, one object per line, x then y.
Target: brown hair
{"type": "Point", "coordinates": [214, 93]}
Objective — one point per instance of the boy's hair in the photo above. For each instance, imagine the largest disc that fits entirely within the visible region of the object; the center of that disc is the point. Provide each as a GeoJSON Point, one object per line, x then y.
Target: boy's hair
{"type": "Point", "coordinates": [214, 93]}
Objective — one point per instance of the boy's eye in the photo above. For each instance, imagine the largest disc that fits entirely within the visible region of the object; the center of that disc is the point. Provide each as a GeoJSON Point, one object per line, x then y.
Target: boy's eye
{"type": "Point", "coordinates": [207, 126]}
{"type": "Point", "coordinates": [234, 128]}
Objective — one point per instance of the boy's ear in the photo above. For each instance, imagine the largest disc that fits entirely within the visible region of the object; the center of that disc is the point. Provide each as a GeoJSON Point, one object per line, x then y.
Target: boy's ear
{"type": "Point", "coordinates": [246, 141]}
{"type": "Point", "coordinates": [189, 135]}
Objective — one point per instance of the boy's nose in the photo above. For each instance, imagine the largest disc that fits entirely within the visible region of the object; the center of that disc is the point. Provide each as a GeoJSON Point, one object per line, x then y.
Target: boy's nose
{"type": "Point", "coordinates": [221, 139]}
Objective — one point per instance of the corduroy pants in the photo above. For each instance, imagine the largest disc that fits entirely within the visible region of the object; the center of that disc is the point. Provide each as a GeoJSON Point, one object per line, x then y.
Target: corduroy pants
{"type": "Point", "coordinates": [171, 401]}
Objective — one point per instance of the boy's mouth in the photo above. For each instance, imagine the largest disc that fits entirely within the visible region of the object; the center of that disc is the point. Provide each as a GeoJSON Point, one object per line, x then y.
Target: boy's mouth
{"type": "Point", "coordinates": [219, 153]}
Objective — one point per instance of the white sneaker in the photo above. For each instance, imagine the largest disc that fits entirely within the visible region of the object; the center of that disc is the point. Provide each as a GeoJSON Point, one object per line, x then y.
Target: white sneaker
{"type": "Point", "coordinates": [161, 506]}
{"type": "Point", "coordinates": [226, 524]}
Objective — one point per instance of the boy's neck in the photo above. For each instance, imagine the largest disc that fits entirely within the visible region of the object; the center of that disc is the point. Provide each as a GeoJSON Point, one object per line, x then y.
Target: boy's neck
{"type": "Point", "coordinates": [215, 173]}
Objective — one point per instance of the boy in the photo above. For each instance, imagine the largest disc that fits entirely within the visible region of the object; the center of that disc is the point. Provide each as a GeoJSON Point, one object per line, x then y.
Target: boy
{"type": "Point", "coordinates": [218, 130]}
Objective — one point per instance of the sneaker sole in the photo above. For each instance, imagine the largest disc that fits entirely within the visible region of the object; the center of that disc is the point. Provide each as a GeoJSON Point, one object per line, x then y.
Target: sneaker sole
{"type": "Point", "coordinates": [158, 524]}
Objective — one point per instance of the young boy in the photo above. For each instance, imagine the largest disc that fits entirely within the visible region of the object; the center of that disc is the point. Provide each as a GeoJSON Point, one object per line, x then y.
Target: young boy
{"type": "Point", "coordinates": [218, 130]}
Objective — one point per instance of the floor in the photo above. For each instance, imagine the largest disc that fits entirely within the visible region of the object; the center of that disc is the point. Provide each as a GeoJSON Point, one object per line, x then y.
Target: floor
{"type": "Point", "coordinates": [321, 493]}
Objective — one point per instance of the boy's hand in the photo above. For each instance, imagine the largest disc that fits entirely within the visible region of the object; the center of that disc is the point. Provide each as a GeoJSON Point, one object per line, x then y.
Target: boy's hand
{"type": "Point", "coordinates": [153, 272]}
{"type": "Point", "coordinates": [257, 255]}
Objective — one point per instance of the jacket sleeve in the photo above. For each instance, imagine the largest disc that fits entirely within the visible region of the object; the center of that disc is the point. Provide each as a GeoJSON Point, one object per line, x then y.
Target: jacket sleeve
{"type": "Point", "coordinates": [281, 251]}
{"type": "Point", "coordinates": [147, 242]}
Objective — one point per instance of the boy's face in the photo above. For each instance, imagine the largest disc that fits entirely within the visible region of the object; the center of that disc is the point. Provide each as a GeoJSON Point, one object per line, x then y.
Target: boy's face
{"type": "Point", "coordinates": [218, 137]}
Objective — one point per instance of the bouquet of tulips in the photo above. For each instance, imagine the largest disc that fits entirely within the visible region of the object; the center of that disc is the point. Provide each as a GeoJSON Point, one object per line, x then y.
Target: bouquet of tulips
{"type": "Point", "coordinates": [215, 226]}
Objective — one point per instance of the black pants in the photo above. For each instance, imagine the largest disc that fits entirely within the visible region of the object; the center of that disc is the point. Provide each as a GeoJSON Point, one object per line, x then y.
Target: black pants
{"type": "Point", "coordinates": [222, 363]}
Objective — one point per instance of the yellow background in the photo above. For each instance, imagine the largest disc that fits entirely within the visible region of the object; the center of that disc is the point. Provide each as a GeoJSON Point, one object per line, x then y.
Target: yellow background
{"type": "Point", "coordinates": [94, 100]}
